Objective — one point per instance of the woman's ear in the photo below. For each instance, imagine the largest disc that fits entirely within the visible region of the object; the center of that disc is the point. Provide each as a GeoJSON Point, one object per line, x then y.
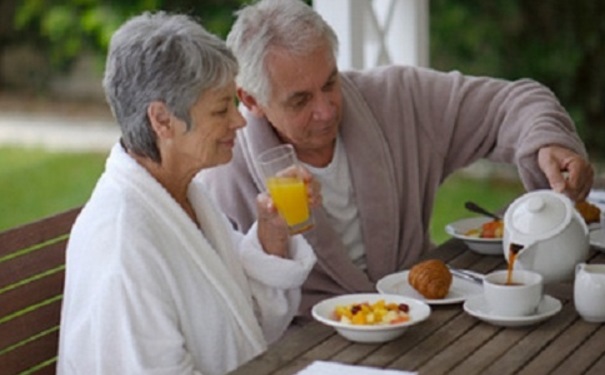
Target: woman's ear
{"type": "Point", "coordinates": [250, 102]}
{"type": "Point", "coordinates": [160, 118]}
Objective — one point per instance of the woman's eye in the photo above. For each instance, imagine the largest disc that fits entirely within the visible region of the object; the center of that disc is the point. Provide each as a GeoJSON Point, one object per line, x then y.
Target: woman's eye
{"type": "Point", "coordinates": [221, 112]}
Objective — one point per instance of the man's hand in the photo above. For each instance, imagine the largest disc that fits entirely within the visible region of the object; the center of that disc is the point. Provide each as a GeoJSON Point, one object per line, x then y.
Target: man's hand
{"type": "Point", "coordinates": [566, 171]}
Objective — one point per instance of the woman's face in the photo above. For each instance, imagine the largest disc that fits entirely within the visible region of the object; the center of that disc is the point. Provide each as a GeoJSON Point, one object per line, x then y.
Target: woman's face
{"type": "Point", "coordinates": [214, 121]}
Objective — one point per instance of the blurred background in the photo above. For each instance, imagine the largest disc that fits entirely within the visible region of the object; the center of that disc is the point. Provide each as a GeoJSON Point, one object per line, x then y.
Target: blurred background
{"type": "Point", "coordinates": [52, 54]}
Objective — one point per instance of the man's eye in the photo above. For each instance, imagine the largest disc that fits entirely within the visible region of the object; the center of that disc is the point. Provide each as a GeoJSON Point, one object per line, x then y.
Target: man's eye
{"type": "Point", "coordinates": [329, 86]}
{"type": "Point", "coordinates": [299, 102]}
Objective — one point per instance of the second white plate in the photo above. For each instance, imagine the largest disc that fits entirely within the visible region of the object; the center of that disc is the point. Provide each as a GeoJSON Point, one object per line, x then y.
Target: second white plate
{"type": "Point", "coordinates": [397, 283]}
{"type": "Point", "coordinates": [597, 239]}
{"type": "Point", "coordinates": [485, 246]}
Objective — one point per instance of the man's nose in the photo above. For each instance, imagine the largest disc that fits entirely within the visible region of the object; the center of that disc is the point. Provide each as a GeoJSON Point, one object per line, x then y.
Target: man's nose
{"type": "Point", "coordinates": [324, 107]}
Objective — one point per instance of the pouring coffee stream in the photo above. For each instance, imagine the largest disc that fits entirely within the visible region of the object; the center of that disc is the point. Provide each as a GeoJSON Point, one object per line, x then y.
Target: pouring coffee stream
{"type": "Point", "coordinates": [513, 251]}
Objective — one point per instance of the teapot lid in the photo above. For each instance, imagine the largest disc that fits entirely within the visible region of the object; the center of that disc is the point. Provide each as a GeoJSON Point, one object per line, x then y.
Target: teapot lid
{"type": "Point", "coordinates": [539, 214]}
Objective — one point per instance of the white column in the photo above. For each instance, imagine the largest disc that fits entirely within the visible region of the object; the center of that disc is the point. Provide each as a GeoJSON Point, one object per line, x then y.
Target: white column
{"type": "Point", "coordinates": [378, 32]}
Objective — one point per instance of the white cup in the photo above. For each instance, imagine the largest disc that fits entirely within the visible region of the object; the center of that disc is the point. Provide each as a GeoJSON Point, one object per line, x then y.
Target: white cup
{"type": "Point", "coordinates": [521, 298]}
{"type": "Point", "coordinates": [589, 292]}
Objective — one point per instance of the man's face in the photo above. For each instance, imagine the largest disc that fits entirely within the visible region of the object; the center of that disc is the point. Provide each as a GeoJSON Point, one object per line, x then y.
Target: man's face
{"type": "Point", "coordinates": [306, 102]}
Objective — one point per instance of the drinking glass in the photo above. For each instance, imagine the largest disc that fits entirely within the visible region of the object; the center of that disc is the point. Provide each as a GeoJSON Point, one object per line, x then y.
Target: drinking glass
{"type": "Point", "coordinates": [287, 189]}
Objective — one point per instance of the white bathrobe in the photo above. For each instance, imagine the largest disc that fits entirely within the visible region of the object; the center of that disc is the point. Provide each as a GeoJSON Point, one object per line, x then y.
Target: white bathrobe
{"type": "Point", "coordinates": [148, 292]}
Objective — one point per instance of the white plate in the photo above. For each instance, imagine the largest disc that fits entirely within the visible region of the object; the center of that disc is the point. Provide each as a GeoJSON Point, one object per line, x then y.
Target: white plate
{"type": "Point", "coordinates": [477, 307]}
{"type": "Point", "coordinates": [324, 310]}
{"type": "Point", "coordinates": [485, 246]}
{"type": "Point", "coordinates": [397, 283]}
{"type": "Point", "coordinates": [597, 238]}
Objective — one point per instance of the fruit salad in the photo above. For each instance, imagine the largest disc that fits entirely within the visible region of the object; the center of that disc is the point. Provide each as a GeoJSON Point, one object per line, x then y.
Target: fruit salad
{"type": "Point", "coordinates": [491, 229]}
{"type": "Point", "coordinates": [377, 313]}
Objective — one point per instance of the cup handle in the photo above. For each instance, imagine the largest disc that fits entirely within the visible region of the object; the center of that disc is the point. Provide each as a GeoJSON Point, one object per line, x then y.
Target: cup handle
{"type": "Point", "coordinates": [579, 267]}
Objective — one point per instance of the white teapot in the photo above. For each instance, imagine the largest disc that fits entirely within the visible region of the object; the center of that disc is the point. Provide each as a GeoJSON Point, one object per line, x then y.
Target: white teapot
{"type": "Point", "coordinates": [547, 233]}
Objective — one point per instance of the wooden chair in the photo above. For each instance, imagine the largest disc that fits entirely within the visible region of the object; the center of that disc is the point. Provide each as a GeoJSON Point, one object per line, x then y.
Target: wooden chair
{"type": "Point", "coordinates": [32, 270]}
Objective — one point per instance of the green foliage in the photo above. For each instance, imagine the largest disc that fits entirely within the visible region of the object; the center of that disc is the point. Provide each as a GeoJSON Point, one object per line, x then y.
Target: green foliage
{"type": "Point", "coordinates": [556, 42]}
{"type": "Point", "coordinates": [71, 26]}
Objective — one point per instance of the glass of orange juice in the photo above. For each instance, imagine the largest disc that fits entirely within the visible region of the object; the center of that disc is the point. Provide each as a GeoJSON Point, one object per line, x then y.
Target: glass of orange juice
{"type": "Point", "coordinates": [287, 189]}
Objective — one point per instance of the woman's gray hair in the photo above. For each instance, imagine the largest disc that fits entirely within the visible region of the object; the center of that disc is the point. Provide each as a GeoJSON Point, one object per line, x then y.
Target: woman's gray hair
{"type": "Point", "coordinates": [161, 57]}
{"type": "Point", "coordinates": [285, 24]}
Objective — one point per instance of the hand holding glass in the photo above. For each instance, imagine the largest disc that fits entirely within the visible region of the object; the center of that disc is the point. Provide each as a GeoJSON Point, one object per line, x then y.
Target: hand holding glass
{"type": "Point", "coordinates": [287, 189]}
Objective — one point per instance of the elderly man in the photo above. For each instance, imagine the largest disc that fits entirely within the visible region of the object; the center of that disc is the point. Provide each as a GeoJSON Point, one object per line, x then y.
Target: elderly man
{"type": "Point", "coordinates": [380, 141]}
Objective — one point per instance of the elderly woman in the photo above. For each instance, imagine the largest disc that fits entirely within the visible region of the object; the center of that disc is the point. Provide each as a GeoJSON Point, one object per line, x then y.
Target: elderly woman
{"type": "Point", "coordinates": [157, 280]}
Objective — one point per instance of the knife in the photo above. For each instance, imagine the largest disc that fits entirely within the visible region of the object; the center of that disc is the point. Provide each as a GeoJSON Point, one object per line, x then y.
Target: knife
{"type": "Point", "coordinates": [467, 275]}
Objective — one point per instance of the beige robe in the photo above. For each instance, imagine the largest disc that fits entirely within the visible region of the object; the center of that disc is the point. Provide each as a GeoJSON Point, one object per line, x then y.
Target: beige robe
{"type": "Point", "coordinates": [405, 130]}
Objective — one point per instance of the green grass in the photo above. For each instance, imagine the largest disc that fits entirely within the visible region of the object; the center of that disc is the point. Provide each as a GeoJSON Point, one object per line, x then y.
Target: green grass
{"type": "Point", "coordinates": [492, 194]}
{"type": "Point", "coordinates": [36, 183]}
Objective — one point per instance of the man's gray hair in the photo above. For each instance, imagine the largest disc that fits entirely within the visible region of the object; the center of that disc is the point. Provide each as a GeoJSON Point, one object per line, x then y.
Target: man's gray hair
{"type": "Point", "coordinates": [282, 24]}
{"type": "Point", "coordinates": [161, 57]}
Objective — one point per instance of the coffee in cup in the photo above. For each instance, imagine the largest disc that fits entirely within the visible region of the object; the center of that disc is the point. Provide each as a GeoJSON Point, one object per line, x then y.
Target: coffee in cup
{"type": "Point", "coordinates": [513, 298]}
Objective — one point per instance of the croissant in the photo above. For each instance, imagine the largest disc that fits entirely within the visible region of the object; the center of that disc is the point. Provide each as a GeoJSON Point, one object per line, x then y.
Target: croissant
{"type": "Point", "coordinates": [590, 212]}
{"type": "Point", "coordinates": [431, 278]}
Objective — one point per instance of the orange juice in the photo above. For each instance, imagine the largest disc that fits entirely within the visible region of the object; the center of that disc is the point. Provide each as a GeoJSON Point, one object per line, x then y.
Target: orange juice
{"type": "Point", "coordinates": [290, 197]}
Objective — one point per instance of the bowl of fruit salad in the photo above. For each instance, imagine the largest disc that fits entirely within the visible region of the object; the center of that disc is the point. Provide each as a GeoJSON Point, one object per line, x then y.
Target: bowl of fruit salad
{"type": "Point", "coordinates": [370, 317]}
{"type": "Point", "coordinates": [481, 234]}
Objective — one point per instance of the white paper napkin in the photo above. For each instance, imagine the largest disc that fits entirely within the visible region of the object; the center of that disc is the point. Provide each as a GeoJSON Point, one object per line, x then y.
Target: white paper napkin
{"type": "Point", "coordinates": [335, 368]}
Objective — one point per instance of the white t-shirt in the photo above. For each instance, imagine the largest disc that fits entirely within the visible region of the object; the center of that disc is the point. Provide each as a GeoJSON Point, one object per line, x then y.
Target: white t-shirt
{"type": "Point", "coordinates": [339, 203]}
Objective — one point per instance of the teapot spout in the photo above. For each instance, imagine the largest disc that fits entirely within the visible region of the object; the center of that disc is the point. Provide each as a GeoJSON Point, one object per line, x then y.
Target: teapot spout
{"type": "Point", "coordinates": [516, 250]}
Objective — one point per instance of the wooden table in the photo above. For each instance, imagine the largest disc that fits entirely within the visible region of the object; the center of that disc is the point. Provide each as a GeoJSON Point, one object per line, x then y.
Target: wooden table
{"type": "Point", "coordinates": [453, 342]}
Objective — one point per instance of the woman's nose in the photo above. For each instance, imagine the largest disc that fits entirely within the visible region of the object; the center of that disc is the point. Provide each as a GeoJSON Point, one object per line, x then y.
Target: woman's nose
{"type": "Point", "coordinates": [238, 120]}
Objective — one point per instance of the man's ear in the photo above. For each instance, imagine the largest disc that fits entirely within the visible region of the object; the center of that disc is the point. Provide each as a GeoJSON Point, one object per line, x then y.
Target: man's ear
{"type": "Point", "coordinates": [160, 118]}
{"type": "Point", "coordinates": [250, 102]}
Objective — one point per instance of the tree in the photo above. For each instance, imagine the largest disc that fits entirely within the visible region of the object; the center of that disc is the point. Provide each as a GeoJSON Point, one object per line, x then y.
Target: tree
{"type": "Point", "coordinates": [68, 27]}
{"type": "Point", "coordinates": [556, 42]}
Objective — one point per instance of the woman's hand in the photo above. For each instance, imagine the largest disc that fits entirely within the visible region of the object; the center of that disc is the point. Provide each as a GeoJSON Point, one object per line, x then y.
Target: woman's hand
{"type": "Point", "coordinates": [272, 229]}
{"type": "Point", "coordinates": [273, 233]}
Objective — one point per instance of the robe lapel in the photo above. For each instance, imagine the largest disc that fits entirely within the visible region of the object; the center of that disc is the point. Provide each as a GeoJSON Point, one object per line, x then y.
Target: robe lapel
{"type": "Point", "coordinates": [373, 175]}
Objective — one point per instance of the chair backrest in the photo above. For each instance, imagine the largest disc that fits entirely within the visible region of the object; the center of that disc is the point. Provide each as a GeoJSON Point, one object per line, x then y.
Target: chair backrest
{"type": "Point", "coordinates": [32, 270]}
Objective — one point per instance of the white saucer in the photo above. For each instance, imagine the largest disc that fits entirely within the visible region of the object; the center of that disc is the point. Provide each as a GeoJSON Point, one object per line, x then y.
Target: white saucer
{"type": "Point", "coordinates": [597, 239]}
{"type": "Point", "coordinates": [397, 283]}
{"type": "Point", "coordinates": [477, 307]}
